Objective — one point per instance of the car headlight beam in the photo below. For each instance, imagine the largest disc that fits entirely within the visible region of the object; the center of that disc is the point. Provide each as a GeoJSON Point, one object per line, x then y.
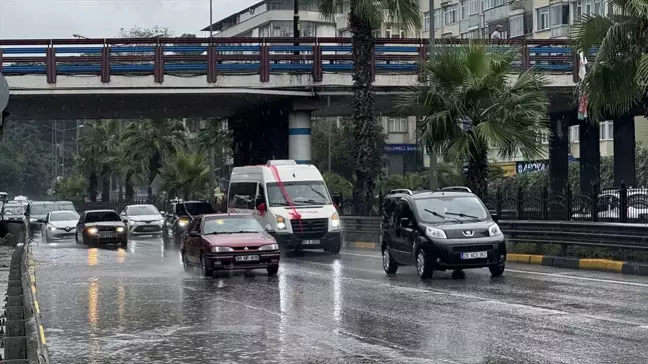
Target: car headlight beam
{"type": "Point", "coordinates": [221, 249]}
{"type": "Point", "coordinates": [92, 230]}
{"type": "Point", "coordinates": [274, 246]}
{"type": "Point", "coordinates": [494, 230]}
{"type": "Point", "coordinates": [434, 233]}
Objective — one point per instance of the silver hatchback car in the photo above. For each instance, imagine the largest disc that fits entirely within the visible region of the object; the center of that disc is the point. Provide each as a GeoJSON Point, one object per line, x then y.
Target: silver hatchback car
{"type": "Point", "coordinates": [60, 225]}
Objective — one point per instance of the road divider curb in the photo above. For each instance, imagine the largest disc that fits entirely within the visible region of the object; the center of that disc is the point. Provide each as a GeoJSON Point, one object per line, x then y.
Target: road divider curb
{"type": "Point", "coordinates": [24, 335]}
{"type": "Point", "coordinates": [603, 265]}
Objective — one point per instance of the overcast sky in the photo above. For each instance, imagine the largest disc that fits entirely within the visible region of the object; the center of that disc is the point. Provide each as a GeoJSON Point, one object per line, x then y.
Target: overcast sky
{"type": "Point", "coordinates": [104, 18]}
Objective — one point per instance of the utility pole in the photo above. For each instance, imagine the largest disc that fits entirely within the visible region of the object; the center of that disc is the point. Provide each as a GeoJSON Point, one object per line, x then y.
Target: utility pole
{"type": "Point", "coordinates": [433, 156]}
{"type": "Point", "coordinates": [296, 24]}
{"type": "Point", "coordinates": [211, 19]}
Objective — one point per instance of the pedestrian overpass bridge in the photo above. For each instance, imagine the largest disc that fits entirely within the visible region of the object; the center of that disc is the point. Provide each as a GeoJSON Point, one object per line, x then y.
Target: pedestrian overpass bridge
{"type": "Point", "coordinates": [134, 78]}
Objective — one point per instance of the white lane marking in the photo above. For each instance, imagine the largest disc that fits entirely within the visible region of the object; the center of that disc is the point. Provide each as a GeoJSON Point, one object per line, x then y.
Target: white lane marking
{"type": "Point", "coordinates": [539, 309]}
{"type": "Point", "coordinates": [558, 275]}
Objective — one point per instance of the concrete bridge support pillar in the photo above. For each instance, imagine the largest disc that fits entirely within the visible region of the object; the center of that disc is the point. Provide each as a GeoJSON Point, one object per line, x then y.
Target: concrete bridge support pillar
{"type": "Point", "coordinates": [590, 156]}
{"type": "Point", "coordinates": [558, 152]}
{"type": "Point", "coordinates": [299, 136]}
{"type": "Point", "coordinates": [624, 151]}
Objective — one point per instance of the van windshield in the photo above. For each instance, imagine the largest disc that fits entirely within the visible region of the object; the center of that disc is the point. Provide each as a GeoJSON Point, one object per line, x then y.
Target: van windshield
{"type": "Point", "coordinates": [302, 193]}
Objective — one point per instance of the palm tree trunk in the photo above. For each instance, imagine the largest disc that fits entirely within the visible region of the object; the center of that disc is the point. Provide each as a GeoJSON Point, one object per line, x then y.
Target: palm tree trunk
{"type": "Point", "coordinates": [129, 186]}
{"type": "Point", "coordinates": [105, 185]}
{"type": "Point", "coordinates": [477, 173]}
{"type": "Point", "coordinates": [364, 130]}
{"type": "Point", "coordinates": [154, 168]}
{"type": "Point", "coordinates": [93, 183]}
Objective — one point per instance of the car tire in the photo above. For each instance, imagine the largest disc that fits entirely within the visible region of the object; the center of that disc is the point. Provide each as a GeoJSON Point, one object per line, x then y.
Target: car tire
{"type": "Point", "coordinates": [273, 270]}
{"type": "Point", "coordinates": [497, 270]}
{"type": "Point", "coordinates": [335, 249]}
{"type": "Point", "coordinates": [124, 244]}
{"type": "Point", "coordinates": [185, 263]}
{"type": "Point", "coordinates": [424, 266]}
{"type": "Point", "coordinates": [76, 238]}
{"type": "Point", "coordinates": [389, 264]}
{"type": "Point", "coordinates": [46, 238]}
{"type": "Point", "coordinates": [204, 269]}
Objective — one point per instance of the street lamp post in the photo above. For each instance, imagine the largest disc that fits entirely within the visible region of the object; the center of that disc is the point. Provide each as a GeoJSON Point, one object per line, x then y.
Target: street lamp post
{"type": "Point", "coordinates": [211, 19]}
{"type": "Point", "coordinates": [433, 156]}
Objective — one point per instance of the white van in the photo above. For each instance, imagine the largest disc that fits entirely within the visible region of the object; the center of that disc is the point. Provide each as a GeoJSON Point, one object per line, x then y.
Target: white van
{"type": "Point", "coordinates": [290, 200]}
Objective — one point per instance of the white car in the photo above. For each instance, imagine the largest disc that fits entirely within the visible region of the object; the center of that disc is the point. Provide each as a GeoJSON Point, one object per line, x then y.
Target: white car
{"type": "Point", "coordinates": [60, 225]}
{"type": "Point", "coordinates": [143, 220]}
{"type": "Point", "coordinates": [608, 206]}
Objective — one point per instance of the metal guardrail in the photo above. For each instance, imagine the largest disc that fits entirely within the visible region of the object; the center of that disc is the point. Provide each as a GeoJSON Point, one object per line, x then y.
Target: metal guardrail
{"type": "Point", "coordinates": [262, 56]}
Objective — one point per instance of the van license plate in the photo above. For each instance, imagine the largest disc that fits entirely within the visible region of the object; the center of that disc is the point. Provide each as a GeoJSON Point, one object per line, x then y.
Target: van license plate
{"type": "Point", "coordinates": [310, 242]}
{"type": "Point", "coordinates": [247, 258]}
{"type": "Point", "coordinates": [474, 255]}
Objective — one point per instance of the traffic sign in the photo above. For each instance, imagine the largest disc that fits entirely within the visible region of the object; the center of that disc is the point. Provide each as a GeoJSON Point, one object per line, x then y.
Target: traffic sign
{"type": "Point", "coordinates": [4, 92]}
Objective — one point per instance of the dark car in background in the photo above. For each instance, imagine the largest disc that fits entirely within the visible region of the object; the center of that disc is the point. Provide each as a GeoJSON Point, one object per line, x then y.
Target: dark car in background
{"type": "Point", "coordinates": [101, 227]}
{"type": "Point", "coordinates": [36, 211]}
{"type": "Point", "coordinates": [180, 215]}
{"type": "Point", "coordinates": [441, 230]}
{"type": "Point", "coordinates": [13, 211]}
{"type": "Point", "coordinates": [224, 242]}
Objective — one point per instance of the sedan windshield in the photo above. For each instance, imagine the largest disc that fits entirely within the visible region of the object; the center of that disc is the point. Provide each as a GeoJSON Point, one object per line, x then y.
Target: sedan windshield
{"type": "Point", "coordinates": [14, 210]}
{"type": "Point", "coordinates": [101, 216]}
{"type": "Point", "coordinates": [453, 208]}
{"type": "Point", "coordinates": [301, 193]}
{"type": "Point", "coordinates": [64, 216]}
{"type": "Point", "coordinates": [143, 210]}
{"type": "Point", "coordinates": [43, 209]}
{"type": "Point", "coordinates": [232, 225]}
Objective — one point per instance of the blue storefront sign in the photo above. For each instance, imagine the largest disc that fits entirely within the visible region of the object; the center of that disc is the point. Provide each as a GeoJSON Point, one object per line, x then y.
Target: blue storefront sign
{"type": "Point", "coordinates": [400, 148]}
{"type": "Point", "coordinates": [537, 166]}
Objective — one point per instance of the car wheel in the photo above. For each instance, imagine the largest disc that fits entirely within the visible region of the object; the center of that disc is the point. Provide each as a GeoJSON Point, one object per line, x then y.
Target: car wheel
{"type": "Point", "coordinates": [124, 244]}
{"type": "Point", "coordinates": [185, 263]}
{"type": "Point", "coordinates": [389, 265]}
{"type": "Point", "coordinates": [496, 270]}
{"type": "Point", "coordinates": [206, 270]}
{"type": "Point", "coordinates": [335, 249]}
{"type": "Point", "coordinates": [76, 237]}
{"type": "Point", "coordinates": [423, 265]}
{"type": "Point", "coordinates": [46, 238]}
{"type": "Point", "coordinates": [272, 270]}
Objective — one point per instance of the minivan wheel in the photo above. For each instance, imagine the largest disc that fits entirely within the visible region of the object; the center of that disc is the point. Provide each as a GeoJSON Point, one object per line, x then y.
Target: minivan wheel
{"type": "Point", "coordinates": [496, 270]}
{"type": "Point", "coordinates": [389, 265]}
{"type": "Point", "coordinates": [423, 266]}
{"type": "Point", "coordinates": [204, 268]}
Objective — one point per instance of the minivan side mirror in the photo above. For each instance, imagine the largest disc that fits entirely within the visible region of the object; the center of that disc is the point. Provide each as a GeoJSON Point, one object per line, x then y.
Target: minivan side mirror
{"type": "Point", "coordinates": [404, 222]}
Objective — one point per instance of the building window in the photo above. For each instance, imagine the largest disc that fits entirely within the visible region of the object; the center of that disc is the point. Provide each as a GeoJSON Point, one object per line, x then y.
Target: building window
{"type": "Point", "coordinates": [516, 25]}
{"type": "Point", "coordinates": [426, 21]}
{"type": "Point", "coordinates": [543, 137]}
{"type": "Point", "coordinates": [437, 18]}
{"type": "Point", "coordinates": [397, 125]}
{"type": "Point", "coordinates": [464, 10]}
{"type": "Point", "coordinates": [472, 7]}
{"type": "Point", "coordinates": [542, 15]}
{"type": "Point", "coordinates": [574, 132]}
{"type": "Point", "coordinates": [606, 130]}
{"type": "Point", "coordinates": [450, 15]}
{"type": "Point", "coordinates": [588, 6]}
{"type": "Point", "coordinates": [578, 10]}
{"type": "Point", "coordinates": [559, 15]}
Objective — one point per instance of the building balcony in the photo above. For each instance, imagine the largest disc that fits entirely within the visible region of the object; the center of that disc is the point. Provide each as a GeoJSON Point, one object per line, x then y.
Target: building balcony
{"type": "Point", "coordinates": [525, 5]}
{"type": "Point", "coordinates": [560, 31]}
{"type": "Point", "coordinates": [496, 13]}
{"type": "Point", "coordinates": [342, 21]}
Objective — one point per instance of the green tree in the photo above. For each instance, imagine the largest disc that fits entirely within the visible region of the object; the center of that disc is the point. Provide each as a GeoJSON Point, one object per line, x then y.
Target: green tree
{"type": "Point", "coordinates": [469, 105]}
{"type": "Point", "coordinates": [340, 138]}
{"type": "Point", "coordinates": [97, 155]}
{"type": "Point", "coordinates": [216, 138]}
{"type": "Point", "coordinates": [616, 80]}
{"type": "Point", "coordinates": [149, 141]}
{"type": "Point", "coordinates": [25, 160]}
{"type": "Point", "coordinates": [186, 173]}
{"type": "Point", "coordinates": [364, 17]}
{"type": "Point", "coordinates": [338, 185]}
{"type": "Point", "coordinates": [70, 188]}
{"type": "Point", "coordinates": [140, 32]}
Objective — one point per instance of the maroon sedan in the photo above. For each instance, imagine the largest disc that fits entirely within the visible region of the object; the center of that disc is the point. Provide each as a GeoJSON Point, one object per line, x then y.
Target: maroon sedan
{"type": "Point", "coordinates": [228, 242]}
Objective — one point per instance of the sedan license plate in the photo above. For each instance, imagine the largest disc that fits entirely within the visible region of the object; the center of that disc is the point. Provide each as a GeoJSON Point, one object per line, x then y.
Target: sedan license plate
{"type": "Point", "coordinates": [247, 258]}
{"type": "Point", "coordinates": [107, 235]}
{"type": "Point", "coordinates": [474, 255]}
{"type": "Point", "coordinates": [310, 242]}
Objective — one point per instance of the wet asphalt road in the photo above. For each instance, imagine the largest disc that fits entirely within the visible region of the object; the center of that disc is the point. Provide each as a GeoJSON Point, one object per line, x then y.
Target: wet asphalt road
{"type": "Point", "coordinates": [139, 306]}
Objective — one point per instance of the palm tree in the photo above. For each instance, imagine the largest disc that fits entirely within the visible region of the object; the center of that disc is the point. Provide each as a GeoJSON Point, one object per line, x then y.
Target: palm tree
{"type": "Point", "coordinates": [185, 173]}
{"type": "Point", "coordinates": [469, 106]}
{"type": "Point", "coordinates": [365, 16]}
{"type": "Point", "coordinates": [616, 80]}
{"type": "Point", "coordinates": [96, 154]}
{"type": "Point", "coordinates": [217, 139]}
{"type": "Point", "coordinates": [151, 140]}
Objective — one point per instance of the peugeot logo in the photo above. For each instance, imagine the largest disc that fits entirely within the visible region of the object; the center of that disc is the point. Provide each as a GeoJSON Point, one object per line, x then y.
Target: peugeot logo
{"type": "Point", "coordinates": [246, 248]}
{"type": "Point", "coordinates": [67, 228]}
{"type": "Point", "coordinates": [468, 233]}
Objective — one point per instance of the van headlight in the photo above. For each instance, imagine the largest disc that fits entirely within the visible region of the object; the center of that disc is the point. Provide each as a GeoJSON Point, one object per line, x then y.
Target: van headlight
{"type": "Point", "coordinates": [335, 221]}
{"type": "Point", "coordinates": [281, 223]}
{"type": "Point", "coordinates": [120, 229]}
{"type": "Point", "coordinates": [434, 233]}
{"type": "Point", "coordinates": [494, 230]}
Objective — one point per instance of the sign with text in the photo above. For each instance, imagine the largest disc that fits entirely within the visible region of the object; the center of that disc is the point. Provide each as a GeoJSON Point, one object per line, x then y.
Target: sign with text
{"type": "Point", "coordinates": [400, 148]}
{"type": "Point", "coordinates": [531, 166]}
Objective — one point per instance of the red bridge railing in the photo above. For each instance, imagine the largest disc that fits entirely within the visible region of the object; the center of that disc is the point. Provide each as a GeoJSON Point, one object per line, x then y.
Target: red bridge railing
{"type": "Point", "coordinates": [231, 56]}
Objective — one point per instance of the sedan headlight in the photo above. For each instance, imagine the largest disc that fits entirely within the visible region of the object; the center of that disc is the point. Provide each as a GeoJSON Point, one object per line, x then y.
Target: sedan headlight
{"type": "Point", "coordinates": [434, 233]}
{"type": "Point", "coordinates": [270, 247]}
{"type": "Point", "coordinates": [281, 223]}
{"type": "Point", "coordinates": [183, 222]}
{"type": "Point", "coordinates": [51, 228]}
{"type": "Point", "coordinates": [335, 221]}
{"type": "Point", "coordinates": [120, 229]}
{"type": "Point", "coordinates": [31, 219]}
{"type": "Point", "coordinates": [161, 221]}
{"type": "Point", "coordinates": [494, 230]}
{"type": "Point", "coordinates": [92, 231]}
{"type": "Point", "coordinates": [221, 249]}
